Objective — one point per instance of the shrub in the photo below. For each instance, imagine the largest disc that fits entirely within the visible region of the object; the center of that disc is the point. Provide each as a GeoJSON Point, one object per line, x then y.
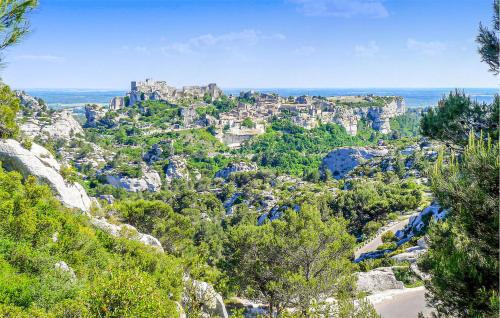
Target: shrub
{"type": "Point", "coordinates": [388, 237]}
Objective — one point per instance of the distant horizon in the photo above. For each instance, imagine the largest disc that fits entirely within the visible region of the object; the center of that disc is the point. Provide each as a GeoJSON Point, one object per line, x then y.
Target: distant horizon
{"type": "Point", "coordinates": [263, 87]}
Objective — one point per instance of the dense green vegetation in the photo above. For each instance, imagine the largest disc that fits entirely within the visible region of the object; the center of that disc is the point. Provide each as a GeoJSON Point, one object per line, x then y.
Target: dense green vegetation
{"type": "Point", "coordinates": [292, 149]}
{"type": "Point", "coordinates": [369, 202]}
{"type": "Point", "coordinates": [292, 261]}
{"type": "Point", "coordinates": [407, 125]}
{"type": "Point", "coordinates": [463, 252]}
{"type": "Point", "coordinates": [458, 115]}
{"type": "Point", "coordinates": [9, 106]}
{"type": "Point", "coordinates": [112, 277]}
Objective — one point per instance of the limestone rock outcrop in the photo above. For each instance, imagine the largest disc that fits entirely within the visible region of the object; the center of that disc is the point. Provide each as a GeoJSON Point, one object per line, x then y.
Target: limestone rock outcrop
{"type": "Point", "coordinates": [59, 125]}
{"type": "Point", "coordinates": [63, 267]}
{"type": "Point", "coordinates": [410, 255]}
{"type": "Point", "coordinates": [204, 293]}
{"type": "Point", "coordinates": [342, 160]}
{"type": "Point", "coordinates": [154, 154]}
{"type": "Point", "coordinates": [149, 180]}
{"type": "Point", "coordinates": [176, 169]}
{"type": "Point", "coordinates": [117, 103]}
{"type": "Point", "coordinates": [126, 230]}
{"type": "Point", "coordinates": [39, 163]}
{"type": "Point", "coordinates": [417, 223]}
{"type": "Point", "coordinates": [235, 167]}
{"type": "Point", "coordinates": [29, 101]}
{"type": "Point", "coordinates": [378, 280]}
{"type": "Point", "coordinates": [94, 114]}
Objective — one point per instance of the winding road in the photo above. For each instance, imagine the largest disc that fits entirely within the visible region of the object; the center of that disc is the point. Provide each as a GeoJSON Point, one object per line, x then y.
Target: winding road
{"type": "Point", "coordinates": [398, 303]}
{"type": "Point", "coordinates": [375, 242]}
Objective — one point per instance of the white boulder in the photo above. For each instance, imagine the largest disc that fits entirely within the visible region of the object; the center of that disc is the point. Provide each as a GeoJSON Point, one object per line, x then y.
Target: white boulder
{"type": "Point", "coordinates": [176, 169]}
{"type": "Point", "coordinates": [41, 164]}
{"type": "Point", "coordinates": [63, 267]}
{"type": "Point", "coordinates": [212, 304]}
{"type": "Point", "coordinates": [149, 181]}
{"type": "Point", "coordinates": [235, 167]}
{"type": "Point", "coordinates": [126, 230]}
{"type": "Point", "coordinates": [341, 161]}
{"type": "Point", "coordinates": [378, 280]}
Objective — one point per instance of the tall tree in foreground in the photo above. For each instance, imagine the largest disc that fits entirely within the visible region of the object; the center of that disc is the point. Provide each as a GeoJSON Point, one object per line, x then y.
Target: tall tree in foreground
{"type": "Point", "coordinates": [295, 261]}
{"type": "Point", "coordinates": [13, 22]}
{"type": "Point", "coordinates": [13, 26]}
{"type": "Point", "coordinates": [489, 43]}
{"type": "Point", "coordinates": [463, 250]}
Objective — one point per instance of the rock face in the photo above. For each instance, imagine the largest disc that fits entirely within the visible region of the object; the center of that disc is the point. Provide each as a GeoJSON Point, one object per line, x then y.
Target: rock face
{"type": "Point", "coordinates": [39, 163]}
{"type": "Point", "coordinates": [417, 223]}
{"type": "Point", "coordinates": [126, 230]}
{"type": "Point", "coordinates": [60, 125]}
{"type": "Point", "coordinates": [235, 167]}
{"type": "Point", "coordinates": [410, 255]}
{"type": "Point", "coordinates": [342, 160]}
{"type": "Point", "coordinates": [378, 280]}
{"type": "Point", "coordinates": [176, 169]}
{"type": "Point", "coordinates": [63, 267]}
{"type": "Point", "coordinates": [154, 154]}
{"type": "Point", "coordinates": [29, 101]}
{"type": "Point", "coordinates": [378, 117]}
{"type": "Point", "coordinates": [204, 293]}
{"type": "Point", "coordinates": [93, 114]}
{"type": "Point", "coordinates": [117, 103]}
{"type": "Point", "coordinates": [149, 181]}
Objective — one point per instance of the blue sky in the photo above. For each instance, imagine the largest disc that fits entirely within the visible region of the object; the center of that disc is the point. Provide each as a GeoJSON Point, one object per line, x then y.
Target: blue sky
{"type": "Point", "coordinates": [256, 43]}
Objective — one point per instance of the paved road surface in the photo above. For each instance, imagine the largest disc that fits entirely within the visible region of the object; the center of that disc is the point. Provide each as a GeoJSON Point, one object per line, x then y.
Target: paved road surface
{"type": "Point", "coordinates": [406, 303]}
{"type": "Point", "coordinates": [372, 245]}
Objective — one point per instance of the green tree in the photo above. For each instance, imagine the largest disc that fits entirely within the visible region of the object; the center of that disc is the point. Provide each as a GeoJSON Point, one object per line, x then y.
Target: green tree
{"type": "Point", "coordinates": [489, 43]}
{"type": "Point", "coordinates": [291, 262]}
{"type": "Point", "coordinates": [457, 116]}
{"type": "Point", "coordinates": [9, 106]}
{"type": "Point", "coordinates": [13, 23]}
{"type": "Point", "coordinates": [128, 294]}
{"type": "Point", "coordinates": [247, 122]}
{"type": "Point", "coordinates": [13, 26]}
{"type": "Point", "coordinates": [463, 250]}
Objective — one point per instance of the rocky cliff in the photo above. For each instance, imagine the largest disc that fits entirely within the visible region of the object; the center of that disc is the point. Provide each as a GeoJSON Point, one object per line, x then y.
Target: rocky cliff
{"type": "Point", "coordinates": [378, 117]}
{"type": "Point", "coordinates": [38, 162]}
{"type": "Point", "coordinates": [55, 125]}
{"type": "Point", "coordinates": [342, 160]}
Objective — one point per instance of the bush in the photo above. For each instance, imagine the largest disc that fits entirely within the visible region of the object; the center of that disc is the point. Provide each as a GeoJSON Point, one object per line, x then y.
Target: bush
{"type": "Point", "coordinates": [387, 246]}
{"type": "Point", "coordinates": [68, 173]}
{"type": "Point", "coordinates": [27, 143]}
{"type": "Point", "coordinates": [9, 106]}
{"type": "Point", "coordinates": [371, 228]}
{"type": "Point", "coordinates": [388, 237]}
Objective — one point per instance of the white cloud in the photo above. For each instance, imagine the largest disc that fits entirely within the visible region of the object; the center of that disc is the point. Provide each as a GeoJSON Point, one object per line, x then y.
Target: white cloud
{"type": "Point", "coordinates": [245, 37]}
{"type": "Point", "coordinates": [369, 50]}
{"type": "Point", "coordinates": [304, 51]}
{"type": "Point", "coordinates": [342, 8]}
{"type": "Point", "coordinates": [43, 58]}
{"type": "Point", "coordinates": [427, 48]}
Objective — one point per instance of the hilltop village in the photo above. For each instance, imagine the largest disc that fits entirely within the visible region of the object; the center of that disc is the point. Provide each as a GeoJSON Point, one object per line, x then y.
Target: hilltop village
{"type": "Point", "coordinates": [248, 114]}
